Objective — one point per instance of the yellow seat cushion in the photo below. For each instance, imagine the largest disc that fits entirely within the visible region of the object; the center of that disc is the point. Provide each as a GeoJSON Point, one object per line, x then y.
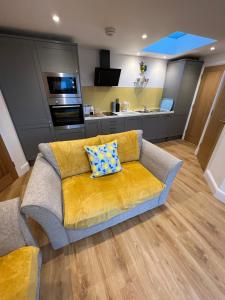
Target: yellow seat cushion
{"type": "Point", "coordinates": [19, 274]}
{"type": "Point", "coordinates": [128, 147]}
{"type": "Point", "coordinates": [90, 201]}
{"type": "Point", "coordinates": [71, 156]}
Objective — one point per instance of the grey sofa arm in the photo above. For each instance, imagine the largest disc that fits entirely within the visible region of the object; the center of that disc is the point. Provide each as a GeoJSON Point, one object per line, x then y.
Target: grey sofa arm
{"type": "Point", "coordinates": [43, 201]}
{"type": "Point", "coordinates": [161, 163]}
{"type": "Point", "coordinates": [14, 232]}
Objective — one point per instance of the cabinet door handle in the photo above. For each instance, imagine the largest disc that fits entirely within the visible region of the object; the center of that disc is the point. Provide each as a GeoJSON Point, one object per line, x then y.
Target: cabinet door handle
{"type": "Point", "coordinates": [222, 121]}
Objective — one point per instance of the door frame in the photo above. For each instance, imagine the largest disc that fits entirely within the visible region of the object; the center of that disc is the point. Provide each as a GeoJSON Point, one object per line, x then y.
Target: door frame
{"type": "Point", "coordinates": [220, 87]}
{"type": "Point", "coordinates": [204, 67]}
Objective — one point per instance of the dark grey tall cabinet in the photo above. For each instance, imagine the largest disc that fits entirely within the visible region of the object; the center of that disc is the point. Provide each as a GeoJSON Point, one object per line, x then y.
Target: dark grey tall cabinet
{"type": "Point", "coordinates": [180, 85]}
{"type": "Point", "coordinates": [22, 61]}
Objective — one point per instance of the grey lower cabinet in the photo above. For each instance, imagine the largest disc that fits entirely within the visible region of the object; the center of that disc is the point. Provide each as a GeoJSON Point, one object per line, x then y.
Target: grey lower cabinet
{"type": "Point", "coordinates": [92, 128]}
{"type": "Point", "coordinates": [71, 134]}
{"type": "Point", "coordinates": [31, 136]}
{"type": "Point", "coordinates": [112, 125]}
{"type": "Point", "coordinates": [132, 123]}
{"type": "Point", "coordinates": [176, 125]}
{"type": "Point", "coordinates": [155, 127]}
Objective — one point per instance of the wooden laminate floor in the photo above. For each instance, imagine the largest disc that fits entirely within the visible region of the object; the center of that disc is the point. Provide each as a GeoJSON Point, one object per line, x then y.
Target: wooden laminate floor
{"type": "Point", "coordinates": [173, 252]}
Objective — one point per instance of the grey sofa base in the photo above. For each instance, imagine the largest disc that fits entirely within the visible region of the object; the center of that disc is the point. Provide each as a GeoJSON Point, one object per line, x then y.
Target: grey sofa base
{"type": "Point", "coordinates": [78, 234]}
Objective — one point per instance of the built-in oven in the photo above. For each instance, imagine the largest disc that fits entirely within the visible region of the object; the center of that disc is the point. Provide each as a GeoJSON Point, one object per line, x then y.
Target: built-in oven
{"type": "Point", "coordinates": [62, 85]}
{"type": "Point", "coordinates": [67, 113]}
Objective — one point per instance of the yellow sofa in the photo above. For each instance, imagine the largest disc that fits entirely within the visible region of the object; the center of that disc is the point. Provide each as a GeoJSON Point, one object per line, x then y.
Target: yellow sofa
{"type": "Point", "coordinates": [70, 205]}
{"type": "Point", "coordinates": [20, 258]}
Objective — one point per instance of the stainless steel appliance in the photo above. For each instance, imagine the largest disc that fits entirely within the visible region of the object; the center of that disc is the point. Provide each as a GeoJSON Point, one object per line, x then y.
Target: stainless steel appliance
{"type": "Point", "coordinates": [87, 109]}
{"type": "Point", "coordinates": [67, 113]}
{"type": "Point", "coordinates": [62, 85]}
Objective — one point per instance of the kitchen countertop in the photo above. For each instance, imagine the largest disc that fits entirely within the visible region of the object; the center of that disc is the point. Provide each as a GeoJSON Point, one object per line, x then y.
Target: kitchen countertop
{"type": "Point", "coordinates": [135, 114]}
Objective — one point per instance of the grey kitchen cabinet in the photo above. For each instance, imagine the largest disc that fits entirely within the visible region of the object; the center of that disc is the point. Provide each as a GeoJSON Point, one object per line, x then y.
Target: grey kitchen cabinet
{"type": "Point", "coordinates": [92, 128]}
{"type": "Point", "coordinates": [22, 61]}
{"type": "Point", "coordinates": [155, 127]}
{"type": "Point", "coordinates": [20, 86]}
{"type": "Point", "coordinates": [132, 123]}
{"type": "Point", "coordinates": [72, 134]}
{"type": "Point", "coordinates": [176, 125]}
{"type": "Point", "coordinates": [31, 136]}
{"type": "Point", "coordinates": [180, 83]}
{"type": "Point", "coordinates": [19, 82]}
{"type": "Point", "coordinates": [173, 79]}
{"type": "Point", "coordinates": [112, 125]}
{"type": "Point", "coordinates": [57, 57]}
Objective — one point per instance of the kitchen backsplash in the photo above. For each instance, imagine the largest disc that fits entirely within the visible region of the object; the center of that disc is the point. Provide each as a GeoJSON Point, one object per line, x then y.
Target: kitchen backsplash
{"type": "Point", "coordinates": [101, 97]}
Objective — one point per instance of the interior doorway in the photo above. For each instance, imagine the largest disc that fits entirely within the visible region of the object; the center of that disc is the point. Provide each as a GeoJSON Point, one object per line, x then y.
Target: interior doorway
{"type": "Point", "coordinates": [210, 82]}
{"type": "Point", "coordinates": [213, 130]}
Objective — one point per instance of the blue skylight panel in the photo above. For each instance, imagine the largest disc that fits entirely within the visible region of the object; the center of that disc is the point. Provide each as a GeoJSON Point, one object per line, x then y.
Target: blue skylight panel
{"type": "Point", "coordinates": [177, 43]}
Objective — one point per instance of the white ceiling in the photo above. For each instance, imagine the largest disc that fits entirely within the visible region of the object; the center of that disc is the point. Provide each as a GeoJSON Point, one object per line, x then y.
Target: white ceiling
{"type": "Point", "coordinates": [84, 20]}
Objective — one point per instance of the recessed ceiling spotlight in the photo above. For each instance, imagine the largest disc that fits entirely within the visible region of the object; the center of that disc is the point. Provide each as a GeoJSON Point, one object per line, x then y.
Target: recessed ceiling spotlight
{"type": "Point", "coordinates": [144, 36]}
{"type": "Point", "coordinates": [212, 48]}
{"type": "Point", "coordinates": [56, 18]}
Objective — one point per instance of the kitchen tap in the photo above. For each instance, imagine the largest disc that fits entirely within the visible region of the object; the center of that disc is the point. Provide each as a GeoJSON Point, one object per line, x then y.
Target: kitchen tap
{"type": "Point", "coordinates": [145, 107]}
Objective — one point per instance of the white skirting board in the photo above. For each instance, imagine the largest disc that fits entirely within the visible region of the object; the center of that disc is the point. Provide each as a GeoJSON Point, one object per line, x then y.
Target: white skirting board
{"type": "Point", "coordinates": [23, 169]}
{"type": "Point", "coordinates": [218, 193]}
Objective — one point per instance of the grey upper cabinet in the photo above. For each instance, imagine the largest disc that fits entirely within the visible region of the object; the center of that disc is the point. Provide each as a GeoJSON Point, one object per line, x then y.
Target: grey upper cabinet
{"type": "Point", "coordinates": [56, 57]}
{"type": "Point", "coordinates": [180, 83]}
{"type": "Point", "coordinates": [173, 79]}
{"type": "Point", "coordinates": [188, 85]}
{"type": "Point", "coordinates": [19, 82]}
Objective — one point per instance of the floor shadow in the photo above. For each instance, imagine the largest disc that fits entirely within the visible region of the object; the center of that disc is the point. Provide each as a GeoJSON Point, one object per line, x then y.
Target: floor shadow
{"type": "Point", "coordinates": [98, 238]}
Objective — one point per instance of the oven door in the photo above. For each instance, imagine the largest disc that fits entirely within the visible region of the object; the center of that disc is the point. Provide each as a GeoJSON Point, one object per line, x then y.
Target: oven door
{"type": "Point", "coordinates": [67, 116]}
{"type": "Point", "coordinates": [62, 85]}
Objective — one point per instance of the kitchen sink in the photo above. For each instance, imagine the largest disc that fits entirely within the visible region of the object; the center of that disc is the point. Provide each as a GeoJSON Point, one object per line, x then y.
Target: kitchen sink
{"type": "Point", "coordinates": [143, 111]}
{"type": "Point", "coordinates": [127, 113]}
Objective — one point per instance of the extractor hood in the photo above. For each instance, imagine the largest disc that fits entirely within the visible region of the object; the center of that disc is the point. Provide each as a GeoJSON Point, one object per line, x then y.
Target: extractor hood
{"type": "Point", "coordinates": [106, 76]}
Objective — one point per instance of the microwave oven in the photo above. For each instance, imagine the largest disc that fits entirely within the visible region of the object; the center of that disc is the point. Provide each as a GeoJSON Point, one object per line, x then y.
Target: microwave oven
{"type": "Point", "coordinates": [62, 85]}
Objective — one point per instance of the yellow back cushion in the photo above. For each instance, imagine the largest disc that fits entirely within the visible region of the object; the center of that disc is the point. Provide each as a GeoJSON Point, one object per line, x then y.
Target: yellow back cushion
{"type": "Point", "coordinates": [128, 147]}
{"type": "Point", "coordinates": [71, 156]}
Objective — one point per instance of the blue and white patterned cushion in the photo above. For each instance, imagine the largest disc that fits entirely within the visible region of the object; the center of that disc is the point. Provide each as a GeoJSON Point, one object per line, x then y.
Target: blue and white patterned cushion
{"type": "Point", "coordinates": [103, 159]}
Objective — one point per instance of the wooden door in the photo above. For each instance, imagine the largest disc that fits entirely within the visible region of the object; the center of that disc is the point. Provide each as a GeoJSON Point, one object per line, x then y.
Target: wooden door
{"type": "Point", "coordinates": [7, 169]}
{"type": "Point", "coordinates": [213, 131]}
{"type": "Point", "coordinates": [207, 91]}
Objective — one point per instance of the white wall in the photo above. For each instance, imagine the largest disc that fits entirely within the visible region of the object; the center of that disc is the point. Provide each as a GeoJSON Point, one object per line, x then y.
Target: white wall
{"type": "Point", "coordinates": [215, 171]}
{"type": "Point", "coordinates": [11, 140]}
{"type": "Point", "coordinates": [89, 59]}
{"type": "Point", "coordinates": [213, 60]}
